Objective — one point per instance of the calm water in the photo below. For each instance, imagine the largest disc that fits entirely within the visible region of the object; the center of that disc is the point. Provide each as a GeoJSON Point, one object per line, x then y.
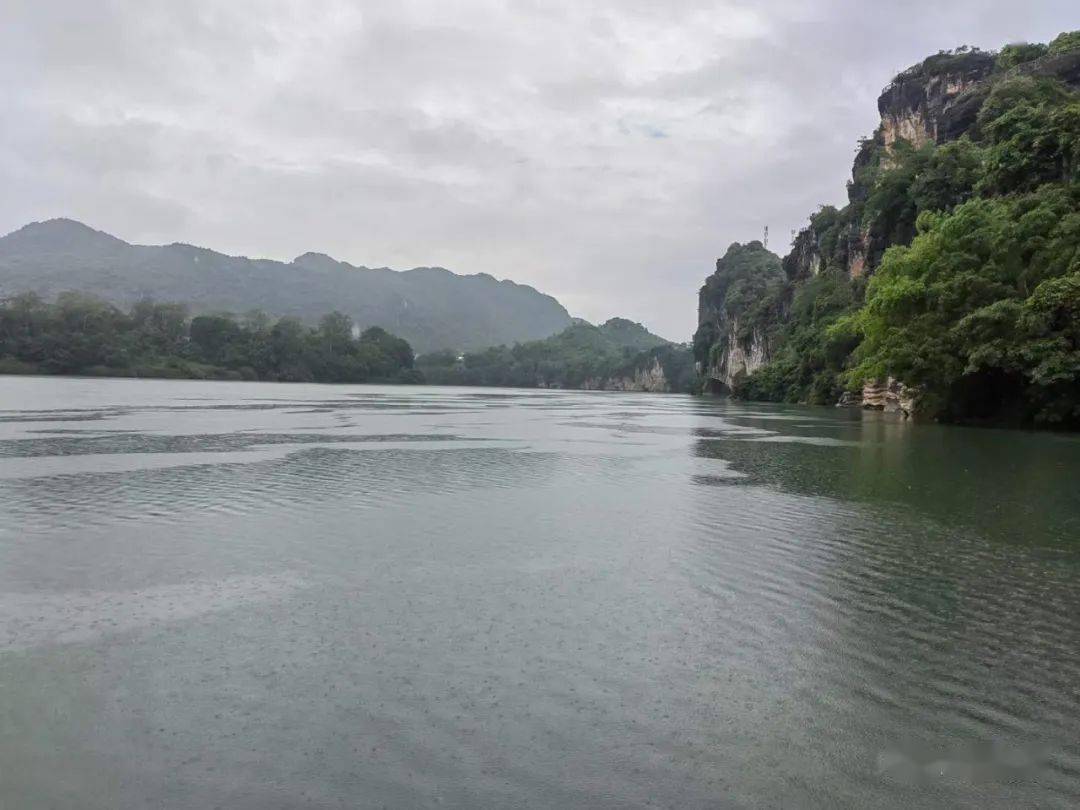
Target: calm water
{"type": "Point", "coordinates": [276, 596]}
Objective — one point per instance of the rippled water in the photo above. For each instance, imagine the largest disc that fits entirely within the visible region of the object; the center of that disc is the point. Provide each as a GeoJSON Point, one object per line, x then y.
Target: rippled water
{"type": "Point", "coordinates": [276, 596]}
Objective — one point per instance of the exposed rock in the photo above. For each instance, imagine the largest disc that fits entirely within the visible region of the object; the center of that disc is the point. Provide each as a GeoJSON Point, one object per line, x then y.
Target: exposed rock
{"type": "Point", "coordinates": [873, 395]}
{"type": "Point", "coordinates": [891, 396]}
{"type": "Point", "coordinates": [938, 100]}
{"type": "Point", "coordinates": [731, 339]}
{"type": "Point", "coordinates": [935, 101]}
{"type": "Point", "coordinates": [907, 399]}
{"type": "Point", "coordinates": [912, 106]}
{"type": "Point", "coordinates": [960, 114]}
{"type": "Point", "coordinates": [738, 357]}
{"type": "Point", "coordinates": [804, 260]}
{"type": "Point", "coordinates": [650, 378]}
{"type": "Point", "coordinates": [849, 399]}
{"type": "Point", "coordinates": [858, 249]}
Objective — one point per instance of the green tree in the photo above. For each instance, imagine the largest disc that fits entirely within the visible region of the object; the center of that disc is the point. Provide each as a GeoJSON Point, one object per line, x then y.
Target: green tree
{"type": "Point", "coordinates": [336, 330]}
{"type": "Point", "coordinates": [214, 337]}
{"type": "Point", "coordinates": [957, 313]}
{"type": "Point", "coordinates": [1032, 129]}
{"type": "Point", "coordinates": [1018, 53]}
{"type": "Point", "coordinates": [81, 334]}
{"type": "Point", "coordinates": [1064, 42]}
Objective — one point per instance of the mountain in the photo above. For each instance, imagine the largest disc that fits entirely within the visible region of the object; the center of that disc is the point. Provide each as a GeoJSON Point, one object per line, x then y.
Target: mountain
{"type": "Point", "coordinates": [430, 307]}
{"type": "Point", "coordinates": [729, 337]}
{"type": "Point", "coordinates": [630, 335]}
{"type": "Point", "coordinates": [949, 285]}
{"type": "Point", "coordinates": [618, 355]}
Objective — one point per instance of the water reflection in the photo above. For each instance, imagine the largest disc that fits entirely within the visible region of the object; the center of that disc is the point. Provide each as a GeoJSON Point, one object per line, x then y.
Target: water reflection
{"type": "Point", "coordinates": [1007, 484]}
{"type": "Point", "coordinates": [920, 623]}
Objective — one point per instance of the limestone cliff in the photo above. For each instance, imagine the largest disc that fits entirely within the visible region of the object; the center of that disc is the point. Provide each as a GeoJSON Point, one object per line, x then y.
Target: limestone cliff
{"type": "Point", "coordinates": [651, 378]}
{"type": "Point", "coordinates": [730, 343]}
{"type": "Point", "coordinates": [786, 329]}
{"type": "Point", "coordinates": [920, 100]}
{"type": "Point", "coordinates": [891, 396]}
{"type": "Point", "coordinates": [936, 101]}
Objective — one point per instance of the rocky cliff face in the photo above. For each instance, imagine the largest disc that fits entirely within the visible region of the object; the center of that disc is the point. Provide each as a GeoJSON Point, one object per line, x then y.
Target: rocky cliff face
{"type": "Point", "coordinates": [730, 343]}
{"type": "Point", "coordinates": [805, 259]}
{"type": "Point", "coordinates": [920, 100]}
{"type": "Point", "coordinates": [799, 327]}
{"type": "Point", "coordinates": [935, 101]}
{"type": "Point", "coordinates": [736, 357]}
{"type": "Point", "coordinates": [891, 396]}
{"type": "Point", "coordinates": [649, 378]}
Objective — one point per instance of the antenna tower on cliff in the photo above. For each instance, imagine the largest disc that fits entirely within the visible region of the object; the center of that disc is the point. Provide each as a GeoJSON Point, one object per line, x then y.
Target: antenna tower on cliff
{"type": "Point", "coordinates": [765, 241]}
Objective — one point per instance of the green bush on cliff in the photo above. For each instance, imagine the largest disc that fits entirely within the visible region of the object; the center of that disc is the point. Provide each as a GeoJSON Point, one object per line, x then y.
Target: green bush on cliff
{"type": "Point", "coordinates": [744, 295]}
{"type": "Point", "coordinates": [981, 310]}
{"type": "Point", "coordinates": [810, 353]}
{"type": "Point", "coordinates": [1066, 41]}
{"type": "Point", "coordinates": [832, 229]}
{"type": "Point", "coordinates": [1018, 53]}
{"type": "Point", "coordinates": [1032, 133]}
{"type": "Point", "coordinates": [743, 275]}
{"type": "Point", "coordinates": [932, 178]}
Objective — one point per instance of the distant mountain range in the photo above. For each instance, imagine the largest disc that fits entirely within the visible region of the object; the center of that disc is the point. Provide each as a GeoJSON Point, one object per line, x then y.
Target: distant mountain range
{"type": "Point", "coordinates": [430, 307]}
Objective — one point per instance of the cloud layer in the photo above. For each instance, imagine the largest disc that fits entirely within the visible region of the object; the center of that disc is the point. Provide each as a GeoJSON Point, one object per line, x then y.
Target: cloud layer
{"type": "Point", "coordinates": [605, 152]}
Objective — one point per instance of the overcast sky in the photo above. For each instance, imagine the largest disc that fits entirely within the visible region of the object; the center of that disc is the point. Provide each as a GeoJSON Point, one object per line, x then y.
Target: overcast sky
{"type": "Point", "coordinates": [604, 152]}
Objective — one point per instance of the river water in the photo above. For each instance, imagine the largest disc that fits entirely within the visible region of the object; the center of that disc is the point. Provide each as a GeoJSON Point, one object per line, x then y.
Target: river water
{"type": "Point", "coordinates": [248, 595]}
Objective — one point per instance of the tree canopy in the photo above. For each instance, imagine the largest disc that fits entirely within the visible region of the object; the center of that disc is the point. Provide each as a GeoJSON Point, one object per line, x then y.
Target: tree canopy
{"type": "Point", "coordinates": [581, 356]}
{"type": "Point", "coordinates": [79, 334]}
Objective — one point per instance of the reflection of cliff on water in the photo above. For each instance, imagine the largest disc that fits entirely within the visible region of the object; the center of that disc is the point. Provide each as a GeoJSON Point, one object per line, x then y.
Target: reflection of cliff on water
{"type": "Point", "coordinates": [908, 589]}
{"type": "Point", "coordinates": [1005, 483]}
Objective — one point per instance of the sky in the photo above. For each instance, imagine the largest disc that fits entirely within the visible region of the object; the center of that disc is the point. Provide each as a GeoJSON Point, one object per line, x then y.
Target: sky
{"type": "Point", "coordinates": [604, 152]}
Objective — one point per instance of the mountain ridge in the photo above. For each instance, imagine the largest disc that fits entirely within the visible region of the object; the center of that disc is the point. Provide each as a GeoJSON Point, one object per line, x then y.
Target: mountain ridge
{"type": "Point", "coordinates": [431, 307]}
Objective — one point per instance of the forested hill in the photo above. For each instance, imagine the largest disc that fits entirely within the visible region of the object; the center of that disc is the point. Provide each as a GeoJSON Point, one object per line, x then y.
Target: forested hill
{"type": "Point", "coordinates": [618, 355]}
{"type": "Point", "coordinates": [949, 285]}
{"type": "Point", "coordinates": [430, 307]}
{"type": "Point", "coordinates": [79, 334]}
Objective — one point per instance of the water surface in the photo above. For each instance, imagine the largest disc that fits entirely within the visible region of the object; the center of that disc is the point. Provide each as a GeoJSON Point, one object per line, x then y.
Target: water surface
{"type": "Point", "coordinates": [251, 595]}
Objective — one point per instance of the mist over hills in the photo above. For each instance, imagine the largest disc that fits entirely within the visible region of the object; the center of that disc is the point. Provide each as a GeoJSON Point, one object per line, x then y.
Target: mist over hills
{"type": "Point", "coordinates": [430, 307]}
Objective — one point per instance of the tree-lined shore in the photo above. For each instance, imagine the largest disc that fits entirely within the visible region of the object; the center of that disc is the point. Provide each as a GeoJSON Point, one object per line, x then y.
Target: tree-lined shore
{"type": "Point", "coordinates": [79, 334]}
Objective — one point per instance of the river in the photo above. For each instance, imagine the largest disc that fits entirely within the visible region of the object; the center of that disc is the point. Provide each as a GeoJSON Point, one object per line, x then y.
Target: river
{"type": "Point", "coordinates": [251, 595]}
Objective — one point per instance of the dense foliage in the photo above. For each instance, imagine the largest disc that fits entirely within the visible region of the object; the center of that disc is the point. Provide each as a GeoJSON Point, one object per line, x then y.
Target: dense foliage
{"type": "Point", "coordinates": [974, 249]}
{"type": "Point", "coordinates": [814, 343]}
{"type": "Point", "coordinates": [982, 310]}
{"type": "Point", "coordinates": [1064, 42]}
{"type": "Point", "coordinates": [1019, 53]}
{"type": "Point", "coordinates": [82, 335]}
{"type": "Point", "coordinates": [581, 356]}
{"type": "Point", "coordinates": [741, 291]}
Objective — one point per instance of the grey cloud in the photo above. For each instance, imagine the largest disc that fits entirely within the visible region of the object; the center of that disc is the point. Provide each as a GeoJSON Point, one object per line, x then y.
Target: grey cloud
{"type": "Point", "coordinates": [603, 152]}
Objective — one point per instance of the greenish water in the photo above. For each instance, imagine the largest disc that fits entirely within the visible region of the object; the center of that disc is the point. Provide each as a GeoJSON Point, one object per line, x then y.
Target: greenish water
{"type": "Point", "coordinates": [274, 596]}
